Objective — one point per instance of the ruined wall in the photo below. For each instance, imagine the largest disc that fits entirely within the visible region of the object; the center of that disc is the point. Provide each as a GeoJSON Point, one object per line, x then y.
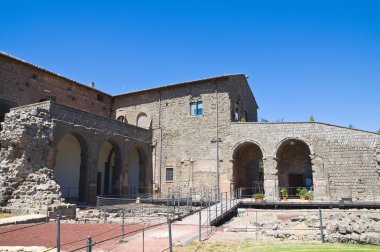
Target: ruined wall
{"type": "Point", "coordinates": [29, 139]}
{"type": "Point", "coordinates": [24, 83]}
{"type": "Point", "coordinates": [183, 142]}
{"type": "Point", "coordinates": [26, 185]}
{"type": "Point", "coordinates": [344, 226]}
{"type": "Point", "coordinates": [345, 162]}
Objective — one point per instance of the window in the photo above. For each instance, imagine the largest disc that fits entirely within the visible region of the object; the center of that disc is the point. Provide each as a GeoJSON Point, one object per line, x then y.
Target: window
{"type": "Point", "coordinates": [143, 121]}
{"type": "Point", "coordinates": [196, 108]}
{"type": "Point", "coordinates": [121, 118]}
{"type": "Point", "coordinates": [169, 174]}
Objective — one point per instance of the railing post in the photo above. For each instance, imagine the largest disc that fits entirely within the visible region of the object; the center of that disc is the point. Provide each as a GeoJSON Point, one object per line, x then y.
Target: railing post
{"type": "Point", "coordinates": [321, 226]}
{"type": "Point", "coordinates": [216, 210]}
{"type": "Point", "coordinates": [47, 210]}
{"type": "Point", "coordinates": [58, 226]}
{"type": "Point", "coordinates": [221, 204]}
{"type": "Point", "coordinates": [122, 225]}
{"type": "Point", "coordinates": [200, 224]}
{"type": "Point", "coordinates": [170, 235]}
{"type": "Point", "coordinates": [88, 244]}
{"type": "Point", "coordinates": [143, 234]}
{"type": "Point", "coordinates": [208, 212]}
{"type": "Point", "coordinates": [226, 202]}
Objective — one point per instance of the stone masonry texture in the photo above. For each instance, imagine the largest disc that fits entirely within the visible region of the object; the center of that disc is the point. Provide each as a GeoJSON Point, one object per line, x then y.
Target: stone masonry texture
{"type": "Point", "coordinates": [38, 108]}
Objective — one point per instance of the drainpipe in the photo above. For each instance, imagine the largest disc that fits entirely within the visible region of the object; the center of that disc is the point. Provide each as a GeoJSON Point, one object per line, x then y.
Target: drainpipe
{"type": "Point", "coordinates": [217, 141]}
{"type": "Point", "coordinates": [159, 126]}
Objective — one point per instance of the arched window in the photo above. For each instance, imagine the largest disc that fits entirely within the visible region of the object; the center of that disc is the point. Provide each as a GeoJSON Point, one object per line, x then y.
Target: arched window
{"type": "Point", "coordinates": [196, 106]}
{"type": "Point", "coordinates": [143, 121]}
{"type": "Point", "coordinates": [121, 119]}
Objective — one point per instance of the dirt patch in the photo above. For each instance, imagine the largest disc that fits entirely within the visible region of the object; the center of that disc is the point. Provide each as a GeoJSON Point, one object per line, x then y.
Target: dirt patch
{"type": "Point", "coordinates": [73, 236]}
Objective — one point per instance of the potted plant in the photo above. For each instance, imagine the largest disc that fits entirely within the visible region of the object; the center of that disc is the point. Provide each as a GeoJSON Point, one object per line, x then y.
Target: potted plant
{"type": "Point", "coordinates": [284, 194]}
{"type": "Point", "coordinates": [259, 197]}
{"type": "Point", "coordinates": [303, 193]}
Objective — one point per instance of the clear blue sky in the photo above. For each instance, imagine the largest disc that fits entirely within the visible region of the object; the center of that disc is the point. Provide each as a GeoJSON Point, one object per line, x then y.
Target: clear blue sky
{"type": "Point", "coordinates": [302, 57]}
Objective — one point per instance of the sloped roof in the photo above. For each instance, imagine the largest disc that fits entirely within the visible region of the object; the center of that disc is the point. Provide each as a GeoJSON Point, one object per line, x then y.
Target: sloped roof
{"type": "Point", "coordinates": [182, 83]}
{"type": "Point", "coordinates": [219, 77]}
{"type": "Point", "coordinates": [50, 72]}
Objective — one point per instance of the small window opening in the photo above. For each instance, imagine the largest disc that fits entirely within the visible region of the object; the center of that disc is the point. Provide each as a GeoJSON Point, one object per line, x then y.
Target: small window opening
{"type": "Point", "coordinates": [169, 174]}
{"type": "Point", "coordinates": [196, 108]}
{"type": "Point", "coordinates": [100, 97]}
{"type": "Point", "coordinates": [121, 119]}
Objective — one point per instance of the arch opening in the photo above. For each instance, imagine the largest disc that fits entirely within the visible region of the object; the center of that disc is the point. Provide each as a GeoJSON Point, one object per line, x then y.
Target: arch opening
{"type": "Point", "coordinates": [248, 169]}
{"type": "Point", "coordinates": [70, 167]}
{"type": "Point", "coordinates": [109, 170]}
{"type": "Point", "coordinates": [137, 172]}
{"type": "Point", "coordinates": [5, 107]}
{"type": "Point", "coordinates": [294, 166]}
{"type": "Point", "coordinates": [143, 121]}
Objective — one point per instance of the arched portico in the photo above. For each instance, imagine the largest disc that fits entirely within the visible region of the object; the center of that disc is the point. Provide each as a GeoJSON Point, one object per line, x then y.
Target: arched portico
{"type": "Point", "coordinates": [137, 174]}
{"type": "Point", "coordinates": [294, 166]}
{"type": "Point", "coordinates": [248, 168]}
{"type": "Point", "coordinates": [70, 170]}
{"type": "Point", "coordinates": [109, 169]}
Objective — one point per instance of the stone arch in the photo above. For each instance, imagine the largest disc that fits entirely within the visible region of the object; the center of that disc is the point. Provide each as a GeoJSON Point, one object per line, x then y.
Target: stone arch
{"type": "Point", "coordinates": [122, 119]}
{"type": "Point", "coordinates": [109, 172]}
{"type": "Point", "coordinates": [70, 166]}
{"type": "Point", "coordinates": [248, 168]}
{"type": "Point", "coordinates": [236, 146]}
{"type": "Point", "coordinates": [5, 107]}
{"type": "Point", "coordinates": [294, 165]}
{"type": "Point", "coordinates": [311, 148]}
{"type": "Point", "coordinates": [143, 120]}
{"type": "Point", "coordinates": [136, 170]}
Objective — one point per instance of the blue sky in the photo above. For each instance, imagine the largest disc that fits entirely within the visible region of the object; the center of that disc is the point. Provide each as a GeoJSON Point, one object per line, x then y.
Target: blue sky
{"type": "Point", "coordinates": [303, 58]}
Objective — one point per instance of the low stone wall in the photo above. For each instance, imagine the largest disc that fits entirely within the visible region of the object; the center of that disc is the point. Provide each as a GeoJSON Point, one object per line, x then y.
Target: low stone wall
{"type": "Point", "coordinates": [346, 226]}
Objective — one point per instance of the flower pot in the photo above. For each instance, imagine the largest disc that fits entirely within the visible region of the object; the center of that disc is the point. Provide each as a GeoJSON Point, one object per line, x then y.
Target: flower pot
{"type": "Point", "coordinates": [258, 200]}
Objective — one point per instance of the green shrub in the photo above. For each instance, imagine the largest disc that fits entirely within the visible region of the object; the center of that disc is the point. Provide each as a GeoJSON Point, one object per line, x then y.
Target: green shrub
{"type": "Point", "coordinates": [259, 195]}
{"type": "Point", "coordinates": [284, 192]}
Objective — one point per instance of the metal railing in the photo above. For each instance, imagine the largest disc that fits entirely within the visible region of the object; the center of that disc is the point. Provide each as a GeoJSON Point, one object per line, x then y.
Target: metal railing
{"type": "Point", "coordinates": [275, 193]}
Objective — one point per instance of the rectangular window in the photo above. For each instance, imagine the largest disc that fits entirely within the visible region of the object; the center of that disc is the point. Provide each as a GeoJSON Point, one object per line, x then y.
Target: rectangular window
{"type": "Point", "coordinates": [169, 174]}
{"type": "Point", "coordinates": [196, 108]}
{"type": "Point", "coordinates": [199, 108]}
{"type": "Point", "coordinates": [193, 108]}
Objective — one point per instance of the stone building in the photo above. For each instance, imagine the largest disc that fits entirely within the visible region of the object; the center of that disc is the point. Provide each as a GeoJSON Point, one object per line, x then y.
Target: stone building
{"type": "Point", "coordinates": [201, 134]}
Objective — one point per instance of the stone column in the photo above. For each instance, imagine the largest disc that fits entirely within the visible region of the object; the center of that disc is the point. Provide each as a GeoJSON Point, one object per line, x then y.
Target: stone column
{"type": "Point", "coordinates": [319, 179]}
{"type": "Point", "coordinates": [270, 178]}
{"type": "Point", "coordinates": [92, 173]}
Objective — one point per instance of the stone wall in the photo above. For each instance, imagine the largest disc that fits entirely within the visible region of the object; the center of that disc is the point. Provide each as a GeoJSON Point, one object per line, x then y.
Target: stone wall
{"type": "Point", "coordinates": [25, 182]}
{"type": "Point", "coordinates": [25, 83]}
{"type": "Point", "coordinates": [345, 162]}
{"type": "Point", "coordinates": [183, 142]}
{"type": "Point", "coordinates": [29, 141]}
{"type": "Point", "coordinates": [345, 226]}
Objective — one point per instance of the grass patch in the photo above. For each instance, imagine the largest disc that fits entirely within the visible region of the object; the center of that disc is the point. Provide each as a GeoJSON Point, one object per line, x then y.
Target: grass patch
{"type": "Point", "coordinates": [278, 247]}
{"type": "Point", "coordinates": [5, 215]}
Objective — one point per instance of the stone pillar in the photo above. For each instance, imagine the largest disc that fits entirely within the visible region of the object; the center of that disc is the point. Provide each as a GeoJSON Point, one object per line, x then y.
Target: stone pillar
{"type": "Point", "coordinates": [92, 173]}
{"type": "Point", "coordinates": [270, 178]}
{"type": "Point", "coordinates": [320, 184]}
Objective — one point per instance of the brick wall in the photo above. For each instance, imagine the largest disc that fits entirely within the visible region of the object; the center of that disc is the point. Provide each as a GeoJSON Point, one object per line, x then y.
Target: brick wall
{"type": "Point", "coordinates": [24, 83]}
